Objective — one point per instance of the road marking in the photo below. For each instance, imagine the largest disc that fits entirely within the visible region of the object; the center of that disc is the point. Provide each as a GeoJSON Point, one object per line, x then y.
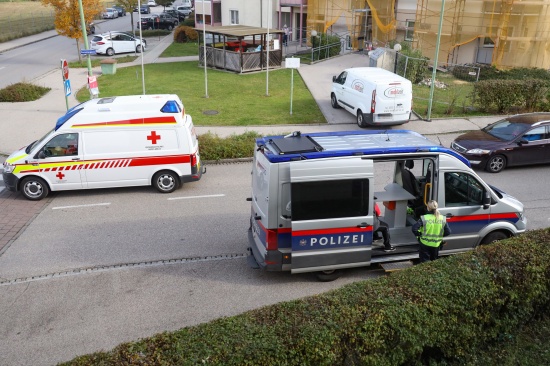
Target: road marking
{"type": "Point", "coordinates": [79, 206]}
{"type": "Point", "coordinates": [191, 197]}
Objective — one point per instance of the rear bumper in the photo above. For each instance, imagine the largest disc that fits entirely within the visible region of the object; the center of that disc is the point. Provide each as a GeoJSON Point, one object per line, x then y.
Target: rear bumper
{"type": "Point", "coordinates": [195, 175]}
{"type": "Point", "coordinates": [273, 259]}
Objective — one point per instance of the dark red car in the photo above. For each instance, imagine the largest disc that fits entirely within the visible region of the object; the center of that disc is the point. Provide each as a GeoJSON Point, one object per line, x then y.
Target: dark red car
{"type": "Point", "coordinates": [522, 139]}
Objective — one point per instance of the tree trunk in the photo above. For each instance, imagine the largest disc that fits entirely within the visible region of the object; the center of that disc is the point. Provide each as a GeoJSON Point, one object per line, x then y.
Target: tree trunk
{"type": "Point", "coordinates": [78, 50]}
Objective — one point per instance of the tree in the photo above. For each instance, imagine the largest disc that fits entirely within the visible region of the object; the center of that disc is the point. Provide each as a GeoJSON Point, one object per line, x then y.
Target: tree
{"type": "Point", "coordinates": [129, 5]}
{"type": "Point", "coordinates": [67, 17]}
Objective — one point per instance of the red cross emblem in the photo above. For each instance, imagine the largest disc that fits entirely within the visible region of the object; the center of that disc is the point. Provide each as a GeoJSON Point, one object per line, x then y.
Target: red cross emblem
{"type": "Point", "coordinates": [60, 175]}
{"type": "Point", "coordinates": [153, 137]}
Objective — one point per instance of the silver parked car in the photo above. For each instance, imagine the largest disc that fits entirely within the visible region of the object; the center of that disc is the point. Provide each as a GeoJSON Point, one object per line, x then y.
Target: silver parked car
{"type": "Point", "coordinates": [110, 13]}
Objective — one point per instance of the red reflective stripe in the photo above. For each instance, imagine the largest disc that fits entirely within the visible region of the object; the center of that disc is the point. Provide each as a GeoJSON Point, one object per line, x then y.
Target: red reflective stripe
{"type": "Point", "coordinates": [135, 121]}
{"type": "Point", "coordinates": [341, 230]}
{"type": "Point", "coordinates": [160, 160]}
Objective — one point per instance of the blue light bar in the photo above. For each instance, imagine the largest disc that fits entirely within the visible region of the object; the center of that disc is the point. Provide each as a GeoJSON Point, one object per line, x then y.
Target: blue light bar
{"type": "Point", "coordinates": [171, 107]}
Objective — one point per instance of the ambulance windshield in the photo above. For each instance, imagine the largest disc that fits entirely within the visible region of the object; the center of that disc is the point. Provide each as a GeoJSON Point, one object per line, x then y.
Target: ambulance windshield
{"type": "Point", "coordinates": [37, 142]}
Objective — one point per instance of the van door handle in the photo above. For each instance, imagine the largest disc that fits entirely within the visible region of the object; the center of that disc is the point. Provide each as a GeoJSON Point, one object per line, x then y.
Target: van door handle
{"type": "Point", "coordinates": [363, 225]}
{"type": "Point", "coordinates": [76, 159]}
{"type": "Point", "coordinates": [449, 215]}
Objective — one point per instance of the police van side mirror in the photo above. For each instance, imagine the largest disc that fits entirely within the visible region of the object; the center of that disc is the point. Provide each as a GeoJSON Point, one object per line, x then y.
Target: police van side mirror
{"type": "Point", "coordinates": [41, 155]}
{"type": "Point", "coordinates": [334, 79]}
{"type": "Point", "coordinates": [486, 200]}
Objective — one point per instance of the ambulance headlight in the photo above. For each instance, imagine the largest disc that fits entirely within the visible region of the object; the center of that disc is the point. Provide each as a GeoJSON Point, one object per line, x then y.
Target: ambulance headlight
{"type": "Point", "coordinates": [8, 168]}
{"type": "Point", "coordinates": [478, 151]}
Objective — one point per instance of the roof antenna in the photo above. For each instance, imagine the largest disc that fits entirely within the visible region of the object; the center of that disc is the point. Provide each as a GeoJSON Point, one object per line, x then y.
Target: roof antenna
{"type": "Point", "coordinates": [387, 135]}
{"type": "Point", "coordinates": [440, 144]}
{"type": "Point", "coordinates": [294, 134]}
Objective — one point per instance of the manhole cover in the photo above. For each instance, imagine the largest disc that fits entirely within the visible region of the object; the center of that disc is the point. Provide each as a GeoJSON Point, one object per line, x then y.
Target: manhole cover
{"type": "Point", "coordinates": [210, 112]}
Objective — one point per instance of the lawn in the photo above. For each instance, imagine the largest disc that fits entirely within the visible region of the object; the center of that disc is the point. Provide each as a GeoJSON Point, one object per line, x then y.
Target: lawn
{"type": "Point", "coordinates": [233, 99]}
{"type": "Point", "coordinates": [181, 49]}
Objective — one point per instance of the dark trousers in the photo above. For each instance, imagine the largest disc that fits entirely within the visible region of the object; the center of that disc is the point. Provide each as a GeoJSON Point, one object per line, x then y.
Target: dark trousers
{"type": "Point", "coordinates": [285, 39]}
{"type": "Point", "coordinates": [385, 230]}
{"type": "Point", "coordinates": [427, 253]}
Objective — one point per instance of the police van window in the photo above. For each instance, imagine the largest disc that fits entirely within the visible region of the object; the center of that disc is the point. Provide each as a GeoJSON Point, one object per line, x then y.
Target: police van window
{"type": "Point", "coordinates": [62, 145]}
{"type": "Point", "coordinates": [330, 199]}
{"type": "Point", "coordinates": [462, 189]}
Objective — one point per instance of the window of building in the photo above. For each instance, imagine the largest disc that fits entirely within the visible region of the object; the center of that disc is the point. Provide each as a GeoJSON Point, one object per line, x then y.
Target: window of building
{"type": "Point", "coordinates": [409, 32]}
{"type": "Point", "coordinates": [330, 199]}
{"type": "Point", "coordinates": [234, 16]}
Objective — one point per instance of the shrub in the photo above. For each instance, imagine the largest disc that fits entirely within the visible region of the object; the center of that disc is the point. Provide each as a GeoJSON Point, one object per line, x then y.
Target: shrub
{"type": "Point", "coordinates": [442, 312]}
{"type": "Point", "coordinates": [416, 64]}
{"type": "Point", "coordinates": [503, 95]}
{"type": "Point", "coordinates": [22, 92]}
{"type": "Point", "coordinates": [213, 147]}
{"type": "Point", "coordinates": [184, 34]}
{"type": "Point", "coordinates": [189, 21]}
{"type": "Point", "coordinates": [329, 46]}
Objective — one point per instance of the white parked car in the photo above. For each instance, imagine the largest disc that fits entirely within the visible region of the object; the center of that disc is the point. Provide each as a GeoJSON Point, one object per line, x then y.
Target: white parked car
{"type": "Point", "coordinates": [151, 3]}
{"type": "Point", "coordinates": [110, 13]}
{"type": "Point", "coordinates": [117, 42]}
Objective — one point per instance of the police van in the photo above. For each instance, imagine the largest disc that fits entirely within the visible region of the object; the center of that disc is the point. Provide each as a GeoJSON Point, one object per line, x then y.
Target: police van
{"type": "Point", "coordinates": [110, 142]}
{"type": "Point", "coordinates": [375, 96]}
{"type": "Point", "coordinates": [313, 198]}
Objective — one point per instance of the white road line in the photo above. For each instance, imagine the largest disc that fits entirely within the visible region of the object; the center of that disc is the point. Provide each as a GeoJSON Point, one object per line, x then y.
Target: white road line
{"type": "Point", "coordinates": [79, 206]}
{"type": "Point", "coordinates": [190, 197]}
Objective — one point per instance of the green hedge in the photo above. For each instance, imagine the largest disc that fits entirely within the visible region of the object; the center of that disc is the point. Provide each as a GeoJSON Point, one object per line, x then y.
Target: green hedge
{"type": "Point", "coordinates": [503, 95]}
{"type": "Point", "coordinates": [443, 312]}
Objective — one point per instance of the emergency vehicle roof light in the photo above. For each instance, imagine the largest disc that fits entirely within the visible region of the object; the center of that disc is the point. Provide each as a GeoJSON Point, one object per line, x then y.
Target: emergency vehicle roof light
{"type": "Point", "coordinates": [171, 107]}
{"type": "Point", "coordinates": [71, 112]}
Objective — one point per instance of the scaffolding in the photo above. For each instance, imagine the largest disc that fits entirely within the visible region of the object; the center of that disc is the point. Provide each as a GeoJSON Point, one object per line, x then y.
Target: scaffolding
{"type": "Point", "coordinates": [504, 33]}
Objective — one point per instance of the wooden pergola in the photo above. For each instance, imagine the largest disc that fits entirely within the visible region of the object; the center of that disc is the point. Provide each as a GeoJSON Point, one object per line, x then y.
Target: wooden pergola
{"type": "Point", "coordinates": [240, 48]}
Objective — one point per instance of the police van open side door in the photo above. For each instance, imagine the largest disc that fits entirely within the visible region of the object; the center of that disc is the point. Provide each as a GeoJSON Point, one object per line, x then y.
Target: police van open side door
{"type": "Point", "coordinates": [331, 213]}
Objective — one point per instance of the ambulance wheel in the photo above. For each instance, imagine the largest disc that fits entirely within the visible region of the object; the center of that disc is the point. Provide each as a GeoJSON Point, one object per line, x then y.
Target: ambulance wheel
{"type": "Point", "coordinates": [166, 181]}
{"type": "Point", "coordinates": [34, 188]}
{"type": "Point", "coordinates": [334, 101]}
{"type": "Point", "coordinates": [496, 164]}
{"type": "Point", "coordinates": [327, 276]}
{"type": "Point", "coordinates": [494, 236]}
{"type": "Point", "coordinates": [110, 52]}
{"type": "Point", "coordinates": [361, 119]}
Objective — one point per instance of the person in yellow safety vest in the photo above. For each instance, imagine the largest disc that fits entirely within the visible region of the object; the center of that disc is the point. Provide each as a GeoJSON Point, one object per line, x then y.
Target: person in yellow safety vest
{"type": "Point", "coordinates": [430, 230]}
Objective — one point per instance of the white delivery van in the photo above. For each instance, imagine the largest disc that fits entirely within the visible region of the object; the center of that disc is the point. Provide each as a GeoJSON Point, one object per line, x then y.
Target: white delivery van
{"type": "Point", "coordinates": [376, 97]}
{"type": "Point", "coordinates": [313, 197]}
{"type": "Point", "coordinates": [110, 142]}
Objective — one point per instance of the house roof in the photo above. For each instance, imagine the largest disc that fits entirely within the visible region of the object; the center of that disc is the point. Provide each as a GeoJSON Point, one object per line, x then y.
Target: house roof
{"type": "Point", "coordinates": [238, 30]}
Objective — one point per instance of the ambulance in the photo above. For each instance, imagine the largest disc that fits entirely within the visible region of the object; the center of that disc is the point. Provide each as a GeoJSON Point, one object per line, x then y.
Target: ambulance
{"type": "Point", "coordinates": [376, 97]}
{"type": "Point", "coordinates": [313, 198]}
{"type": "Point", "coordinates": [110, 142]}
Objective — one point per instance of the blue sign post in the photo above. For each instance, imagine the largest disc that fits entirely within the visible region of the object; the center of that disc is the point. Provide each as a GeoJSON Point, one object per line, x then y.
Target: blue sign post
{"type": "Point", "coordinates": [67, 88]}
{"type": "Point", "coordinates": [87, 52]}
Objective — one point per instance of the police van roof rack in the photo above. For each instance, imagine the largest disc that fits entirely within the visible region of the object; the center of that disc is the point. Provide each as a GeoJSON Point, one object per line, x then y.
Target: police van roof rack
{"type": "Point", "coordinates": [294, 143]}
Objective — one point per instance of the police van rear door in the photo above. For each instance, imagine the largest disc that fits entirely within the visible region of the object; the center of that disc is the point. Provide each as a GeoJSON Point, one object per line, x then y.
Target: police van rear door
{"type": "Point", "coordinates": [331, 213]}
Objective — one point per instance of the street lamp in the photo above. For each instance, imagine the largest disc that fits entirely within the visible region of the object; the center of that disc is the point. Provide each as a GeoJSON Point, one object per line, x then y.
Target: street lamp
{"type": "Point", "coordinates": [396, 48]}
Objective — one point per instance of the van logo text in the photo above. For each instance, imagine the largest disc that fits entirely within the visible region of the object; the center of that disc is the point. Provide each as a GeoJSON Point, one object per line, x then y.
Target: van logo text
{"type": "Point", "coordinates": [394, 91]}
{"type": "Point", "coordinates": [337, 240]}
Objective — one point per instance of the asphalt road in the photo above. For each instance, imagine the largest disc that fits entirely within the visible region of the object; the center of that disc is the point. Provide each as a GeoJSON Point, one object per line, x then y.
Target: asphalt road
{"type": "Point", "coordinates": [28, 63]}
{"type": "Point", "coordinates": [97, 268]}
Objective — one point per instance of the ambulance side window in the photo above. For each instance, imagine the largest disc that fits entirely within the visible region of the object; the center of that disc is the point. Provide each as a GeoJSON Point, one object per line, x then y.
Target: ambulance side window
{"type": "Point", "coordinates": [330, 199]}
{"type": "Point", "coordinates": [461, 189]}
{"type": "Point", "coordinates": [341, 79]}
{"type": "Point", "coordinates": [62, 145]}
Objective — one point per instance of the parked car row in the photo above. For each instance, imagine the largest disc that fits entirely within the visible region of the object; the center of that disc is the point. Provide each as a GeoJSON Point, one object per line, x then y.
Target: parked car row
{"type": "Point", "coordinates": [117, 42]}
{"type": "Point", "coordinates": [110, 13]}
{"type": "Point", "coordinates": [143, 9]}
{"type": "Point", "coordinates": [158, 21]}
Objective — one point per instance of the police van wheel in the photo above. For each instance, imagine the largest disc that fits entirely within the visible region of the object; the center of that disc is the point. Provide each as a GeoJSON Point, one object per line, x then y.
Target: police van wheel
{"type": "Point", "coordinates": [166, 181]}
{"type": "Point", "coordinates": [34, 188]}
{"type": "Point", "coordinates": [334, 101]}
{"type": "Point", "coordinates": [327, 276]}
{"type": "Point", "coordinates": [361, 119]}
{"type": "Point", "coordinates": [494, 236]}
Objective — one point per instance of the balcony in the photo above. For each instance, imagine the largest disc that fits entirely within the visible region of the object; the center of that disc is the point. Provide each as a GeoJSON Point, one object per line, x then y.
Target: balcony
{"type": "Point", "coordinates": [293, 2]}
